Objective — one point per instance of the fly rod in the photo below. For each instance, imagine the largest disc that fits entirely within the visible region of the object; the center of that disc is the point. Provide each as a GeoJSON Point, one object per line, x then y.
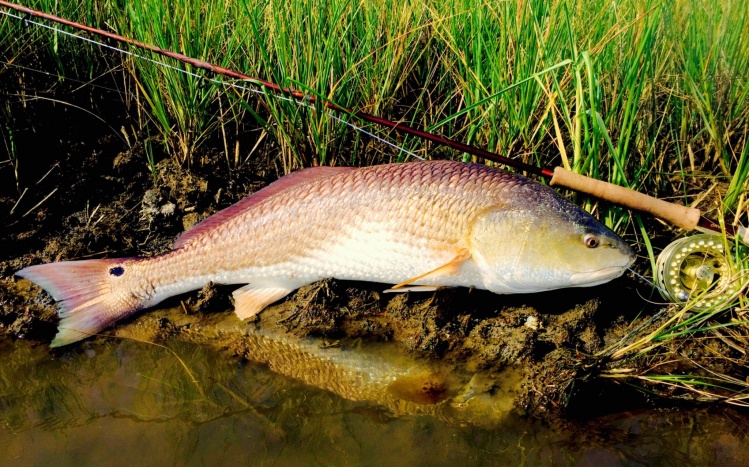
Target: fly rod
{"type": "Point", "coordinates": [681, 216]}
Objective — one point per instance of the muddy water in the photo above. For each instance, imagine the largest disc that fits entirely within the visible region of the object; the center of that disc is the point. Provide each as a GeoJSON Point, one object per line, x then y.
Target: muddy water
{"type": "Point", "coordinates": [120, 401]}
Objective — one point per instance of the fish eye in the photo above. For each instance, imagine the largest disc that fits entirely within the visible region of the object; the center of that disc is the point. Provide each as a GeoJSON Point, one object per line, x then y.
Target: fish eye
{"type": "Point", "coordinates": [591, 241]}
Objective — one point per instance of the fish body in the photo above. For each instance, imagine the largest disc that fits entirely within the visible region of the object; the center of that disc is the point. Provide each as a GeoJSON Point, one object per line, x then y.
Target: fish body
{"type": "Point", "coordinates": [417, 225]}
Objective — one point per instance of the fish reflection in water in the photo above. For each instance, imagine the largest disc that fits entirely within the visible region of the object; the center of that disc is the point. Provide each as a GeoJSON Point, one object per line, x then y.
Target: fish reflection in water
{"type": "Point", "coordinates": [67, 389]}
{"type": "Point", "coordinates": [379, 373]}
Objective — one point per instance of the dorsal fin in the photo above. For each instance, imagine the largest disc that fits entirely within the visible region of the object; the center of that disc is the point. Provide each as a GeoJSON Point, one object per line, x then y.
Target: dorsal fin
{"type": "Point", "coordinates": [299, 177]}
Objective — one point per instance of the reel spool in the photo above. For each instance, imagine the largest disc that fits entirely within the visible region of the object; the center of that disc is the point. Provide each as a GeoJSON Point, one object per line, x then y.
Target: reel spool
{"type": "Point", "coordinates": [699, 268]}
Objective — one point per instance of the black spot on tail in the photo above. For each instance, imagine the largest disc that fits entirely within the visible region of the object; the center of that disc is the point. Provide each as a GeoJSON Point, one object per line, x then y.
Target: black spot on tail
{"type": "Point", "coordinates": [117, 271]}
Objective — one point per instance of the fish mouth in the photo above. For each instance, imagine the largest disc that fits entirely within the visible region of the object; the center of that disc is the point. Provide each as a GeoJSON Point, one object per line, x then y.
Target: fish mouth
{"type": "Point", "coordinates": [600, 276]}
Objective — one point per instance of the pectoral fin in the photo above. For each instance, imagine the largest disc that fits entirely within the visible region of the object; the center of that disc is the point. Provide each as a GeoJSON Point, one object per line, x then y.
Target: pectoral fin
{"type": "Point", "coordinates": [251, 299]}
{"type": "Point", "coordinates": [448, 268]}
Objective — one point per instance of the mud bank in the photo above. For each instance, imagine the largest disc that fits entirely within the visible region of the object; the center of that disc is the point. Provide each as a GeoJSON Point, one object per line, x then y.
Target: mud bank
{"type": "Point", "coordinates": [121, 210]}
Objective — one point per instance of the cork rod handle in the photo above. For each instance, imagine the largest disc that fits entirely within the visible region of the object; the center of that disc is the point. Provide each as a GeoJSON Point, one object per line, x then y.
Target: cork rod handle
{"type": "Point", "coordinates": [680, 216]}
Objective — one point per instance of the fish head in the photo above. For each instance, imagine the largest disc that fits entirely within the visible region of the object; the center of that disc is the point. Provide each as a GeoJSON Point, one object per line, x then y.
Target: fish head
{"type": "Point", "coordinates": [545, 243]}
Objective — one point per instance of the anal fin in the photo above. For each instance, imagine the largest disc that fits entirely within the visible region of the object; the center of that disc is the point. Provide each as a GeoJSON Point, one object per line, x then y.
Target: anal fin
{"type": "Point", "coordinates": [451, 267]}
{"type": "Point", "coordinates": [252, 299]}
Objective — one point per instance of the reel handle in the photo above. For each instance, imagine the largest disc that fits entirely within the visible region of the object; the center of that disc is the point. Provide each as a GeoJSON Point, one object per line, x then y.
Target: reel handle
{"type": "Point", "coordinates": [676, 214]}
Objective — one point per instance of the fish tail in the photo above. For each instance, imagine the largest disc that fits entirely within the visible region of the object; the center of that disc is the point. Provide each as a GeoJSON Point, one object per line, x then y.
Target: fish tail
{"type": "Point", "coordinates": [88, 297]}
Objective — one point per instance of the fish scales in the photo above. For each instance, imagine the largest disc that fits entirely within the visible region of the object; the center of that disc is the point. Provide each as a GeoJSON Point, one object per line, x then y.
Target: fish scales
{"type": "Point", "coordinates": [312, 225]}
{"type": "Point", "coordinates": [416, 225]}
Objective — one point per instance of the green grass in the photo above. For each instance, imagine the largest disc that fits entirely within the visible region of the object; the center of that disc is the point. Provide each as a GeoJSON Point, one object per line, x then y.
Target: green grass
{"type": "Point", "coordinates": [646, 94]}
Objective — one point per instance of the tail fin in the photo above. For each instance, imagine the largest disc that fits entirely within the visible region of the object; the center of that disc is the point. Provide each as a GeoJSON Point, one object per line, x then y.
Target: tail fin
{"type": "Point", "coordinates": [84, 291]}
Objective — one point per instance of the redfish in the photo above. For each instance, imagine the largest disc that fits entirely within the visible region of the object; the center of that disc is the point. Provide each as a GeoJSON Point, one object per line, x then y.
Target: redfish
{"type": "Point", "coordinates": [418, 226]}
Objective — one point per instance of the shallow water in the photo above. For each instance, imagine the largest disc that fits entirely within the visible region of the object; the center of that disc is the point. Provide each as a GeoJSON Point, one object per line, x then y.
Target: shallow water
{"type": "Point", "coordinates": [123, 402]}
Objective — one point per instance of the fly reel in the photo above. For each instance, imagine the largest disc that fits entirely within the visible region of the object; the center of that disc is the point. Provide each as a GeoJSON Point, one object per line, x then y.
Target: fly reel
{"type": "Point", "coordinates": [701, 268]}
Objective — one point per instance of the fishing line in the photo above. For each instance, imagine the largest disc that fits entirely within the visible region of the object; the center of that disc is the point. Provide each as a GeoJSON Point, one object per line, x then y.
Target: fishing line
{"type": "Point", "coordinates": [645, 279]}
{"type": "Point", "coordinates": [214, 80]}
